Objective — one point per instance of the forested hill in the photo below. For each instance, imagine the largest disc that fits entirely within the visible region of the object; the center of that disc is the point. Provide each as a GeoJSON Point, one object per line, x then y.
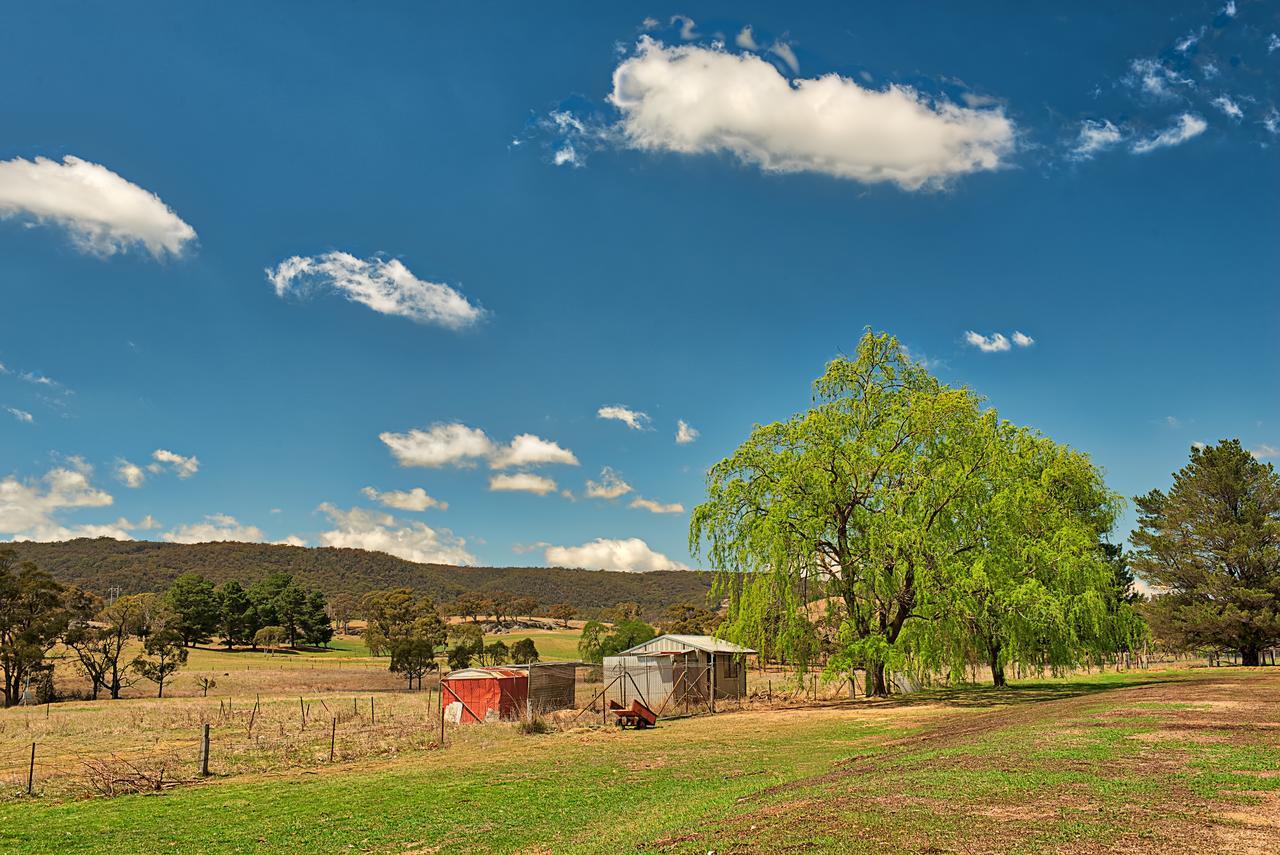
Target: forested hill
{"type": "Point", "coordinates": [137, 566]}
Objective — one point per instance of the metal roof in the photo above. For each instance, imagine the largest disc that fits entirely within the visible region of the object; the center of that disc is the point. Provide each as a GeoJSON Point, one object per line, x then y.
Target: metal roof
{"type": "Point", "coordinates": [484, 674]}
{"type": "Point", "coordinates": [705, 643]}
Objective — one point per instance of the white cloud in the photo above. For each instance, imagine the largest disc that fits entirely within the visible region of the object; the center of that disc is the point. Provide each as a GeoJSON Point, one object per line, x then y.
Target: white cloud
{"type": "Point", "coordinates": [183, 467]}
{"type": "Point", "coordinates": [291, 540]}
{"type": "Point", "coordinates": [745, 39]}
{"type": "Point", "coordinates": [1273, 43]}
{"type": "Point", "coordinates": [383, 285]}
{"type": "Point", "coordinates": [657, 507]}
{"type": "Point", "coordinates": [1229, 108]}
{"type": "Point", "coordinates": [522, 548]}
{"type": "Point", "coordinates": [685, 433]}
{"type": "Point", "coordinates": [103, 212]}
{"type": "Point", "coordinates": [610, 485]}
{"type": "Point", "coordinates": [783, 51]}
{"type": "Point", "coordinates": [405, 500]}
{"type": "Point", "coordinates": [688, 29]}
{"type": "Point", "coordinates": [1200, 445]}
{"type": "Point", "coordinates": [633, 419]}
{"type": "Point", "coordinates": [439, 445]}
{"type": "Point", "coordinates": [1021, 339]}
{"type": "Point", "coordinates": [1187, 42]}
{"type": "Point", "coordinates": [1230, 9]}
{"type": "Point", "coordinates": [360, 528]}
{"type": "Point", "coordinates": [631, 555]}
{"type": "Point", "coordinates": [216, 527]}
{"type": "Point", "coordinates": [1264, 451]}
{"type": "Point", "coordinates": [697, 100]}
{"type": "Point", "coordinates": [1155, 78]}
{"type": "Point", "coordinates": [987, 344]}
{"type": "Point", "coordinates": [529, 450]}
{"type": "Point", "coordinates": [522, 482]}
{"type": "Point", "coordinates": [566, 155]}
{"type": "Point", "coordinates": [1095, 136]}
{"type": "Point", "coordinates": [1173, 422]}
{"type": "Point", "coordinates": [456, 444]}
{"type": "Point", "coordinates": [130, 474]}
{"type": "Point", "coordinates": [29, 509]}
{"type": "Point", "coordinates": [1189, 125]}
{"type": "Point", "coordinates": [20, 415]}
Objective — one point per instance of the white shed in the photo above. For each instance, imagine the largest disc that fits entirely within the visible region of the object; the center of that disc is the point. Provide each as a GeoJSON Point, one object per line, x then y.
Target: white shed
{"type": "Point", "coordinates": [677, 672]}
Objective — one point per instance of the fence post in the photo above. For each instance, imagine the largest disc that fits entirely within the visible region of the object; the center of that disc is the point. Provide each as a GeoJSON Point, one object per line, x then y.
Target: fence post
{"type": "Point", "coordinates": [204, 752]}
{"type": "Point", "coordinates": [371, 709]}
{"type": "Point", "coordinates": [302, 712]}
{"type": "Point", "coordinates": [31, 770]}
{"type": "Point", "coordinates": [333, 737]}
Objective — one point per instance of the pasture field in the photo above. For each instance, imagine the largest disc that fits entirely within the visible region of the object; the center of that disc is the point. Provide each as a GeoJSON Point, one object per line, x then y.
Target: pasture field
{"type": "Point", "coordinates": [1179, 760]}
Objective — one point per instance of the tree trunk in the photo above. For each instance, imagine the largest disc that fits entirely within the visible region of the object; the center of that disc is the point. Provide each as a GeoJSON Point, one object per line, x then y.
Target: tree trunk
{"type": "Point", "coordinates": [160, 692]}
{"type": "Point", "coordinates": [876, 685]}
{"type": "Point", "coordinates": [1249, 657]}
{"type": "Point", "coordinates": [997, 668]}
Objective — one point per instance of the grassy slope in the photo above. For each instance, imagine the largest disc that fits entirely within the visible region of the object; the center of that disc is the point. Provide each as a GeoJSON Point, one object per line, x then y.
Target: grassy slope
{"type": "Point", "coordinates": [1063, 766]}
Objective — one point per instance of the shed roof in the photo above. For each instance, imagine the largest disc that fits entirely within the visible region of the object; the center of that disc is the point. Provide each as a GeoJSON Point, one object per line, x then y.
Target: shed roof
{"type": "Point", "coordinates": [484, 674]}
{"type": "Point", "coordinates": [705, 643]}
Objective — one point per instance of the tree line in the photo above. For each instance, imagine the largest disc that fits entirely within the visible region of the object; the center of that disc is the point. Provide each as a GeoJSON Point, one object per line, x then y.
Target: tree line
{"type": "Point", "coordinates": [37, 613]}
{"type": "Point", "coordinates": [135, 567]}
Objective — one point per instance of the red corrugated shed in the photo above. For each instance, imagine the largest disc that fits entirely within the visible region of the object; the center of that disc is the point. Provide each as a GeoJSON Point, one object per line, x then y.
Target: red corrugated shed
{"type": "Point", "coordinates": [480, 690]}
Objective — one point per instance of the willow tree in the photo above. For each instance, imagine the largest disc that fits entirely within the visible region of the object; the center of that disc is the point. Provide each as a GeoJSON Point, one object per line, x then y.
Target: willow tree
{"type": "Point", "coordinates": [862, 493]}
{"type": "Point", "coordinates": [914, 510]}
{"type": "Point", "coordinates": [1038, 588]}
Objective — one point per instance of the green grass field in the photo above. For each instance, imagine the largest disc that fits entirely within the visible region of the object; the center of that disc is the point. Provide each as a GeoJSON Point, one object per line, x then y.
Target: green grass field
{"type": "Point", "coordinates": [1163, 762]}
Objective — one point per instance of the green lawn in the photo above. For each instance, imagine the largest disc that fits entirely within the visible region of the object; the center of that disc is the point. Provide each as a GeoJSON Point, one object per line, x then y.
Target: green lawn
{"type": "Point", "coordinates": [1157, 761]}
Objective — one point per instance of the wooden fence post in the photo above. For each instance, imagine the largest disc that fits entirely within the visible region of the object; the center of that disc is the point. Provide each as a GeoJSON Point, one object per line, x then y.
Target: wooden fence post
{"type": "Point", "coordinates": [333, 737]}
{"type": "Point", "coordinates": [31, 770]}
{"type": "Point", "coordinates": [204, 752]}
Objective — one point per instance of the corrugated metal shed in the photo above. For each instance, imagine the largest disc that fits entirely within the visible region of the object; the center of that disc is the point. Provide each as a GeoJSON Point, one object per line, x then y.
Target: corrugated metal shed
{"type": "Point", "coordinates": [486, 693]}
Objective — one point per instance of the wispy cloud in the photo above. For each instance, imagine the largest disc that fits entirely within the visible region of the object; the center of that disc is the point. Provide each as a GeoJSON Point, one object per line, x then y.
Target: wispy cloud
{"type": "Point", "coordinates": [20, 415]}
{"type": "Point", "coordinates": [634, 419]}
{"type": "Point", "coordinates": [522, 482]}
{"type": "Point", "coordinates": [610, 485]}
{"type": "Point", "coordinates": [657, 507]}
{"type": "Point", "coordinates": [384, 285]}
{"type": "Point", "coordinates": [685, 432]}
{"type": "Point", "coordinates": [1095, 136]}
{"type": "Point", "coordinates": [415, 499]}
{"type": "Point", "coordinates": [1188, 127]}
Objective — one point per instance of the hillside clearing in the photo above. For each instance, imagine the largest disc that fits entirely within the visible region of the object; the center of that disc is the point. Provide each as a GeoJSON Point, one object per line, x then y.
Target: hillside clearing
{"type": "Point", "coordinates": [1172, 761]}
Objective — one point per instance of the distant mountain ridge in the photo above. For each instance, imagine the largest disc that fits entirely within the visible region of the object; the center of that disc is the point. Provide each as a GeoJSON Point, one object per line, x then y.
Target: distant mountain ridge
{"type": "Point", "coordinates": [136, 566]}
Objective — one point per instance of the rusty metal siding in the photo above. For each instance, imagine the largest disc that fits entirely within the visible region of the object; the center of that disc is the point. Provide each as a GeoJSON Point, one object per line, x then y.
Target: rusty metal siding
{"type": "Point", "coordinates": [551, 687]}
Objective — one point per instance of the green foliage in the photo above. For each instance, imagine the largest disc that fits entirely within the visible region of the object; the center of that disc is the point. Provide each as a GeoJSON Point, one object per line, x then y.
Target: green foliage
{"type": "Point", "coordinates": [598, 641]}
{"type": "Point", "coordinates": [195, 607]}
{"type": "Point", "coordinates": [163, 653]}
{"type": "Point", "coordinates": [690, 619]}
{"type": "Point", "coordinates": [562, 612]}
{"type": "Point", "coordinates": [413, 647]}
{"type": "Point", "coordinates": [270, 637]}
{"type": "Point", "coordinates": [32, 617]}
{"type": "Point", "coordinates": [1212, 543]}
{"type": "Point", "coordinates": [589, 643]}
{"type": "Point", "coordinates": [524, 651]}
{"type": "Point", "coordinates": [939, 533]}
{"type": "Point", "coordinates": [468, 643]}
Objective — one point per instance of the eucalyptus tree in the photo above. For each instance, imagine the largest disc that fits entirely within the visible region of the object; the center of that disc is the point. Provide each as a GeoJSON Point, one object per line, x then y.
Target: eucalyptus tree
{"type": "Point", "coordinates": [32, 617]}
{"type": "Point", "coordinates": [881, 496]}
{"type": "Point", "coordinates": [1211, 548]}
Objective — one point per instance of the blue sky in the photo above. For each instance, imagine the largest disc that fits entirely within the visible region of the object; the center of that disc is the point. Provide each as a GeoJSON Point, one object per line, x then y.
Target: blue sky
{"type": "Point", "coordinates": [289, 235]}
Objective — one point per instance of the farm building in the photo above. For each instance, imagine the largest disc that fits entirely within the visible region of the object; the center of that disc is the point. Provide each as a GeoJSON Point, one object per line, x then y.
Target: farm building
{"type": "Point", "coordinates": [508, 691]}
{"type": "Point", "coordinates": [676, 672]}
